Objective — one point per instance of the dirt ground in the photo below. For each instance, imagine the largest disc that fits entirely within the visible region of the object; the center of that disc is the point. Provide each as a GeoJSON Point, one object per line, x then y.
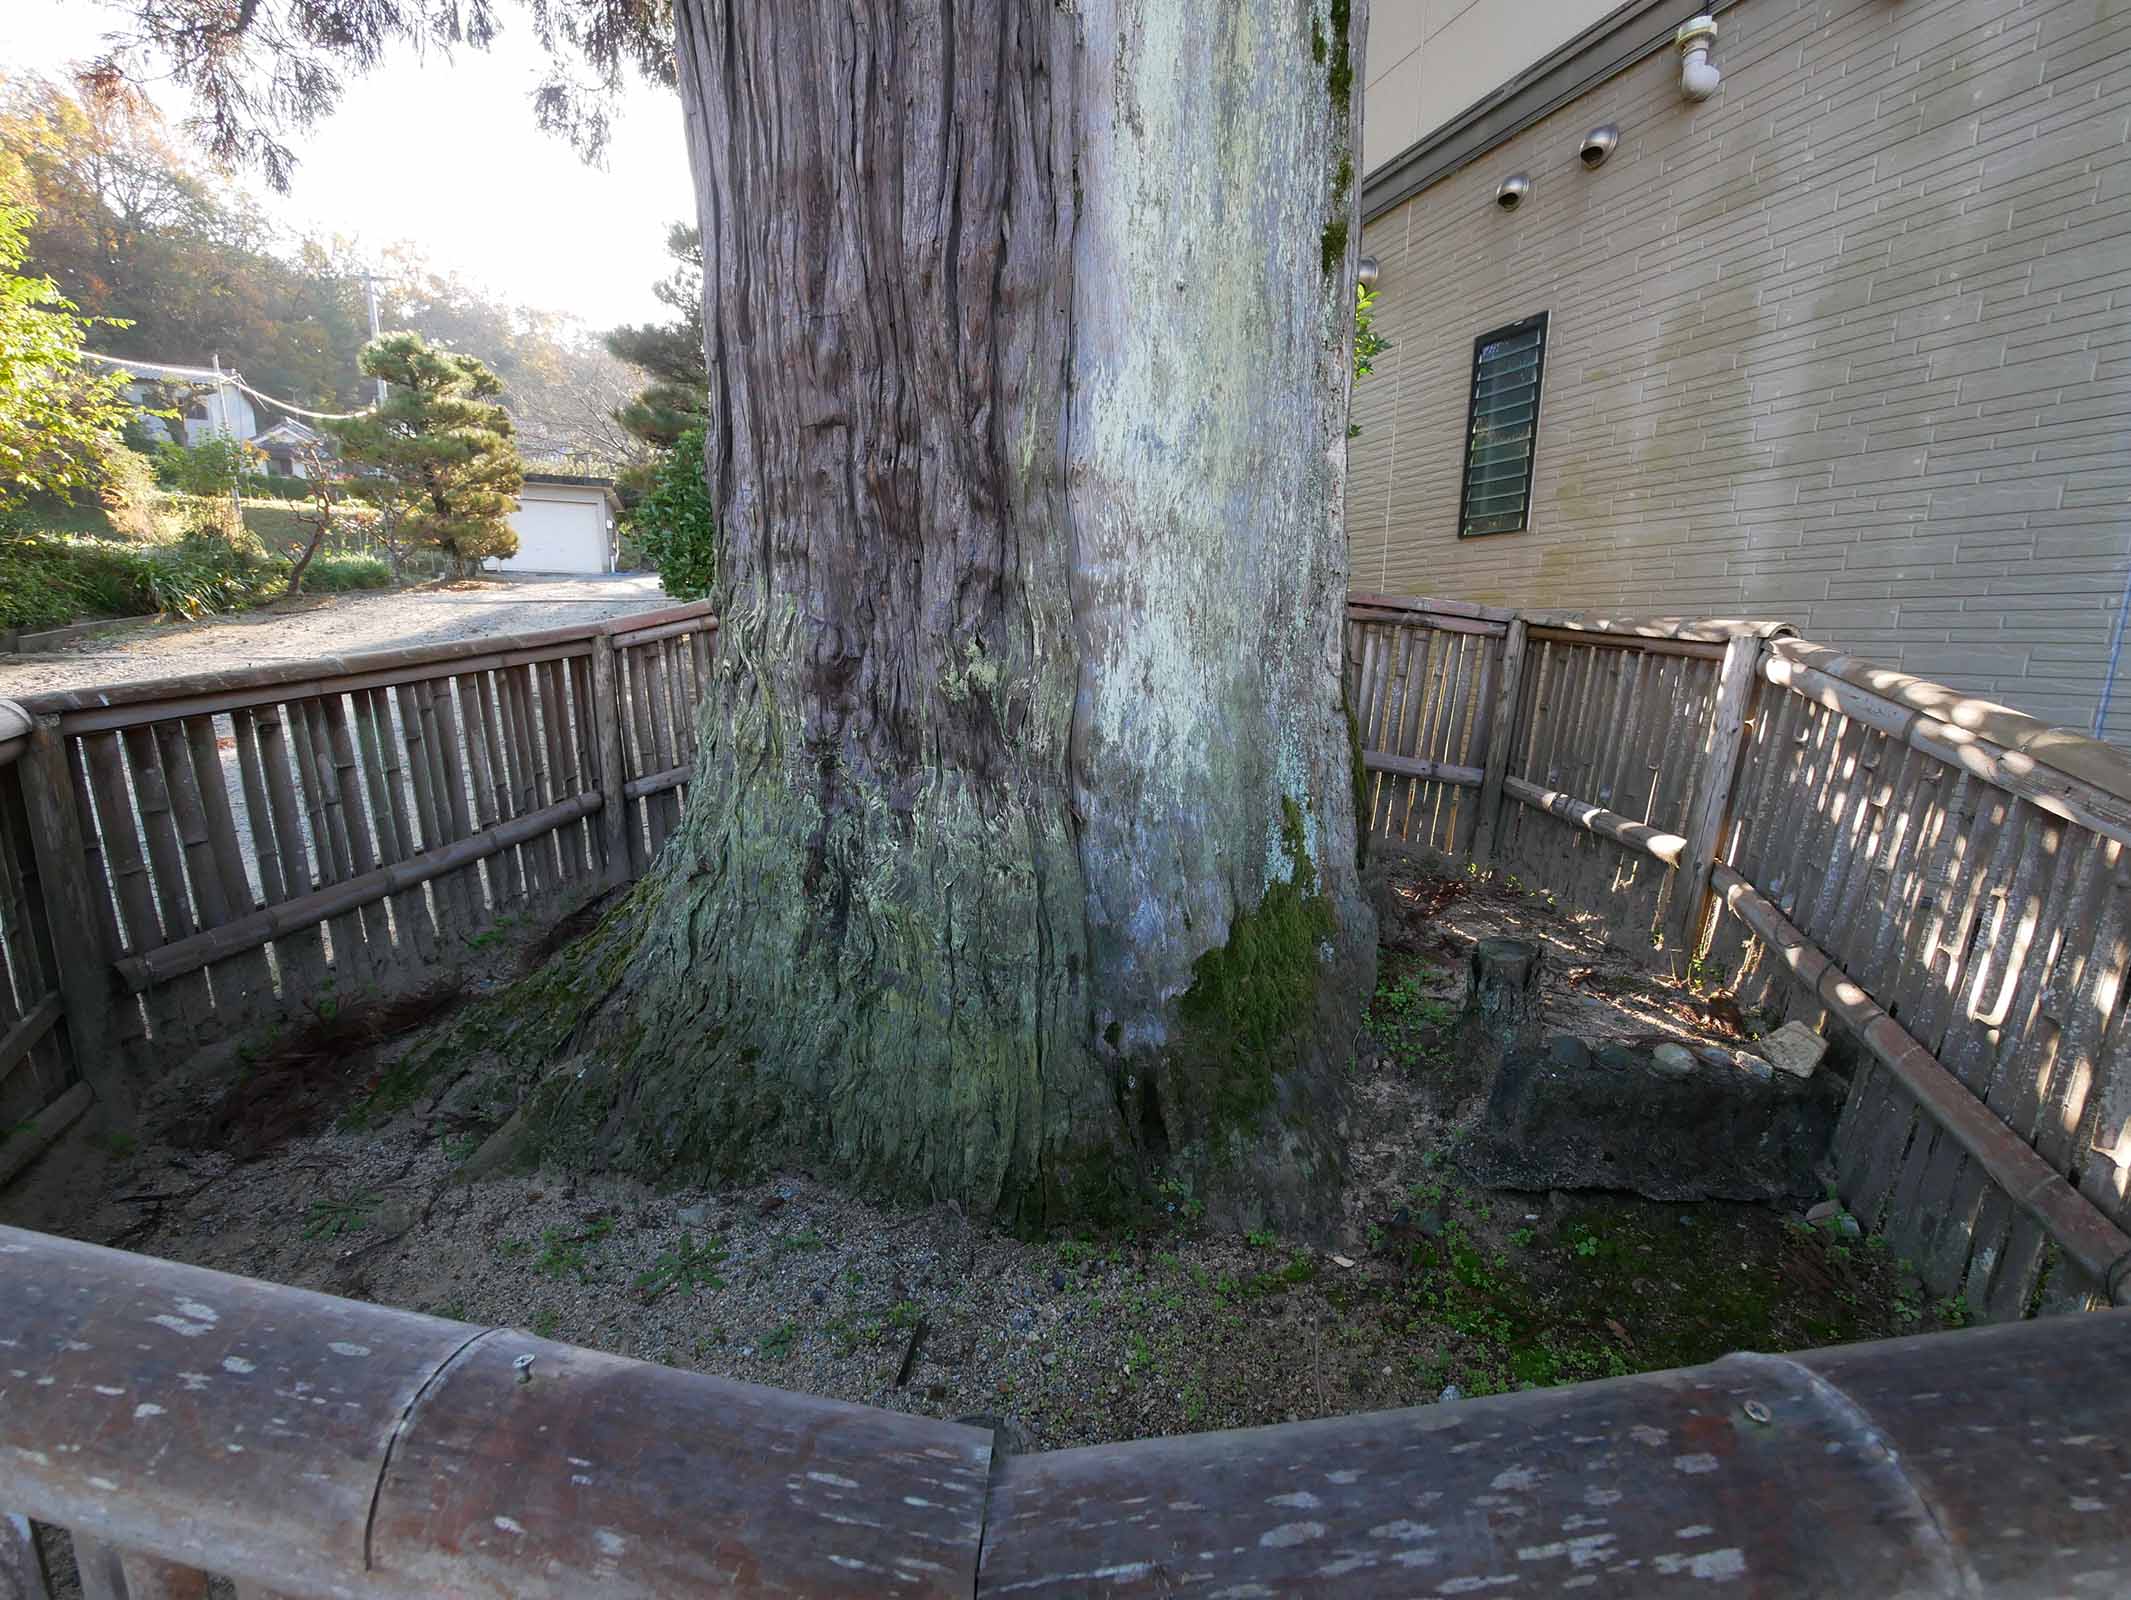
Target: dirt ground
{"type": "Point", "coordinates": [1434, 1288]}
{"type": "Point", "coordinates": [328, 625]}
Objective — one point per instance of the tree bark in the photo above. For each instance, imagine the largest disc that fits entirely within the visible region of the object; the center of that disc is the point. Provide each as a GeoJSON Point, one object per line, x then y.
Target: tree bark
{"type": "Point", "coordinates": [1019, 866]}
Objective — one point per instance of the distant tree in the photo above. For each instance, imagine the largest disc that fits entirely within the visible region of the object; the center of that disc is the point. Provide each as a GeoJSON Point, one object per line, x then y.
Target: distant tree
{"type": "Point", "coordinates": [677, 399]}
{"type": "Point", "coordinates": [323, 514]}
{"type": "Point", "coordinates": [58, 420]}
{"type": "Point", "coordinates": [441, 434]}
{"type": "Point", "coordinates": [216, 466]}
{"type": "Point", "coordinates": [672, 521]}
{"type": "Point", "coordinates": [132, 225]}
{"type": "Point", "coordinates": [390, 499]}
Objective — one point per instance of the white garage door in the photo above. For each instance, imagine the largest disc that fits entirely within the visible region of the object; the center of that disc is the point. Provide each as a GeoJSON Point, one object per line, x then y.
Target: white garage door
{"type": "Point", "coordinates": [559, 536]}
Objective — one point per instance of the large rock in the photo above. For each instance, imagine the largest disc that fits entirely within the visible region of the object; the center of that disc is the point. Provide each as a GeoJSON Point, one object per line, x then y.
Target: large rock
{"type": "Point", "coordinates": [1561, 1119]}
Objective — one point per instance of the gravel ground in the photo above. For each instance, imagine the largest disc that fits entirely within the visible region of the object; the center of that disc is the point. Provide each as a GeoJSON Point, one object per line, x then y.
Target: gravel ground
{"type": "Point", "coordinates": [329, 625]}
{"type": "Point", "coordinates": [1430, 1282]}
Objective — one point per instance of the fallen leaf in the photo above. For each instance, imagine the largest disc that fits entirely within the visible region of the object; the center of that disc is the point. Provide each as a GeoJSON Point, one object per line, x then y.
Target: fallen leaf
{"type": "Point", "coordinates": [1342, 1261]}
{"type": "Point", "coordinates": [1619, 1330]}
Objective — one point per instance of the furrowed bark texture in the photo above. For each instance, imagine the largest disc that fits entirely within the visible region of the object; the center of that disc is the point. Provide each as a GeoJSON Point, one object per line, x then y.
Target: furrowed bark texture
{"type": "Point", "coordinates": [1020, 859]}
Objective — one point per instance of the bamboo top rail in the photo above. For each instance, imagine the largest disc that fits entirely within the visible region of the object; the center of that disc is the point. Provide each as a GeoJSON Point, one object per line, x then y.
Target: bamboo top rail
{"type": "Point", "coordinates": [1946, 723]}
{"type": "Point", "coordinates": [281, 674]}
{"type": "Point", "coordinates": [1430, 606]}
{"type": "Point", "coordinates": [1701, 630]}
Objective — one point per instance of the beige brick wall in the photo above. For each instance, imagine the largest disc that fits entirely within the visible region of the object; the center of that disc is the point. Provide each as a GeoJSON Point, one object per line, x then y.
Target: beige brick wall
{"type": "Point", "coordinates": [1848, 344]}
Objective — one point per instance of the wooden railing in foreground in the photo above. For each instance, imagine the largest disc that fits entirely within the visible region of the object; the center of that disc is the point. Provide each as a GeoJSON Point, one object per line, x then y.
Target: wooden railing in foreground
{"type": "Point", "coordinates": [1942, 877]}
{"type": "Point", "coordinates": [185, 859]}
{"type": "Point", "coordinates": [181, 1422]}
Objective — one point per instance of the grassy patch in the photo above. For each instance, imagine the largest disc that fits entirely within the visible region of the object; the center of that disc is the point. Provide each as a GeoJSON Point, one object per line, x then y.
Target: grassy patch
{"type": "Point", "coordinates": [562, 1252]}
{"type": "Point", "coordinates": [331, 1218]}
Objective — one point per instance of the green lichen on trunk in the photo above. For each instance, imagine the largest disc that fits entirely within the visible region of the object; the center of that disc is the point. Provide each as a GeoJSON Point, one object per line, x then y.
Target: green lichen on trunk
{"type": "Point", "coordinates": [1252, 1002]}
{"type": "Point", "coordinates": [1333, 245]}
{"type": "Point", "coordinates": [1339, 69]}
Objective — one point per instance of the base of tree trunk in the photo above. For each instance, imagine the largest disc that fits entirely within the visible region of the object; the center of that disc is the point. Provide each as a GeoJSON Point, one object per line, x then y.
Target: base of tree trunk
{"type": "Point", "coordinates": [702, 1036]}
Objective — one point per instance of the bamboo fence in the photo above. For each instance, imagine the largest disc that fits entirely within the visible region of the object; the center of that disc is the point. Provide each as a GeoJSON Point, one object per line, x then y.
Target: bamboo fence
{"type": "Point", "coordinates": [1938, 879]}
{"type": "Point", "coordinates": [186, 859]}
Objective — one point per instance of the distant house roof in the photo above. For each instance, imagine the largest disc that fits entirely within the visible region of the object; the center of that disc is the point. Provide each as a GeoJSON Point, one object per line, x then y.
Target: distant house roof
{"type": "Point", "coordinates": [564, 477]}
{"type": "Point", "coordinates": [570, 480]}
{"type": "Point", "coordinates": [289, 431]}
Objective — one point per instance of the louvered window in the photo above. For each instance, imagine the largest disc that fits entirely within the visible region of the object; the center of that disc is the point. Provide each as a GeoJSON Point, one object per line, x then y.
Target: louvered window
{"type": "Point", "coordinates": [1502, 428]}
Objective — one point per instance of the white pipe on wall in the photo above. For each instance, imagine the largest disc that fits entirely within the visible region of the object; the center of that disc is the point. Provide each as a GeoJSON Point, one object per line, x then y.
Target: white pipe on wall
{"type": "Point", "coordinates": [1699, 76]}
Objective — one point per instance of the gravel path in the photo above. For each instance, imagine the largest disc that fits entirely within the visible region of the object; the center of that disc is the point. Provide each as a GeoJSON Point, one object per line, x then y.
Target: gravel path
{"type": "Point", "coordinates": [330, 625]}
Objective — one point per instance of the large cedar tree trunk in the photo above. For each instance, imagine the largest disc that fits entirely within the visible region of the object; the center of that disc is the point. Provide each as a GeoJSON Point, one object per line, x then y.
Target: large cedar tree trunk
{"type": "Point", "coordinates": [1020, 864]}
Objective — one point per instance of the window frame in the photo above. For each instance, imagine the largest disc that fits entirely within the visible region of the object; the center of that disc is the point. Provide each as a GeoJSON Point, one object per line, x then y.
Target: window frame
{"type": "Point", "coordinates": [1538, 320]}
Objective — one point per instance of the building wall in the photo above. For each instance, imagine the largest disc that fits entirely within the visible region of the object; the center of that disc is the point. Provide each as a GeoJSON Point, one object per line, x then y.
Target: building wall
{"type": "Point", "coordinates": [1848, 344]}
{"type": "Point", "coordinates": [561, 528]}
{"type": "Point", "coordinates": [1427, 60]}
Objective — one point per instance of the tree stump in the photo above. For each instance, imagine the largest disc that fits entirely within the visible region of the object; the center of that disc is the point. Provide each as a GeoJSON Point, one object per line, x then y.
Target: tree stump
{"type": "Point", "coordinates": [1503, 1009]}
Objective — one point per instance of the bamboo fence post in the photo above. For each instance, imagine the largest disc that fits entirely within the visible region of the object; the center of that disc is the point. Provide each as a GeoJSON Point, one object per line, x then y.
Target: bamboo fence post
{"type": "Point", "coordinates": [552, 680]}
{"type": "Point", "coordinates": [22, 1574]}
{"type": "Point", "coordinates": [605, 711]}
{"type": "Point", "coordinates": [302, 961]}
{"type": "Point", "coordinates": [84, 969]}
{"type": "Point", "coordinates": [1721, 749]}
{"type": "Point", "coordinates": [1504, 730]}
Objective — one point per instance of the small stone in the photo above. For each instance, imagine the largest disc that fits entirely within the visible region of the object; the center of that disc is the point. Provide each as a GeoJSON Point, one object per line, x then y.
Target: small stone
{"type": "Point", "coordinates": [693, 1216]}
{"type": "Point", "coordinates": [1451, 1392]}
{"type": "Point", "coordinates": [1058, 1281]}
{"type": "Point", "coordinates": [1566, 1050]}
{"type": "Point", "coordinates": [1719, 1055]}
{"type": "Point", "coordinates": [1849, 1227]}
{"type": "Point", "coordinates": [1343, 1261]}
{"type": "Point", "coordinates": [1794, 1048]}
{"type": "Point", "coordinates": [1823, 1211]}
{"type": "Point", "coordinates": [1673, 1058]}
{"type": "Point", "coordinates": [1620, 1058]}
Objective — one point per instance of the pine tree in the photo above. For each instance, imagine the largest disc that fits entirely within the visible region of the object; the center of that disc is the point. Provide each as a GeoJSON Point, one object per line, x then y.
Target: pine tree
{"type": "Point", "coordinates": [441, 434]}
{"type": "Point", "coordinates": [670, 354]}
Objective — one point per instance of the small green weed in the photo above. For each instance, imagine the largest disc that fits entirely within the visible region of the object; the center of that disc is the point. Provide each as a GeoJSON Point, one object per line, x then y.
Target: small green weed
{"type": "Point", "coordinates": [687, 1266]}
{"type": "Point", "coordinates": [562, 1253]}
{"type": "Point", "coordinates": [329, 1219]}
{"type": "Point", "coordinates": [777, 1343]}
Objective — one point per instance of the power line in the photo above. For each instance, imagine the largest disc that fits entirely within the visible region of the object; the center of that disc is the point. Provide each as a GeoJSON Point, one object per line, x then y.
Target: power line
{"type": "Point", "coordinates": [200, 375]}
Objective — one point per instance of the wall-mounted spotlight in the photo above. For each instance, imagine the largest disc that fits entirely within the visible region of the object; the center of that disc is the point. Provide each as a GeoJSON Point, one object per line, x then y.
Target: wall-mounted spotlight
{"type": "Point", "coordinates": [1510, 193]}
{"type": "Point", "coordinates": [1698, 74]}
{"type": "Point", "coordinates": [1365, 272]}
{"type": "Point", "coordinates": [1597, 145]}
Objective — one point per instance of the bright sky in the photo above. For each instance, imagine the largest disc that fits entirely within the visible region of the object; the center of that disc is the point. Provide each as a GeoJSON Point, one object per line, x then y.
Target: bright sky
{"type": "Point", "coordinates": [529, 220]}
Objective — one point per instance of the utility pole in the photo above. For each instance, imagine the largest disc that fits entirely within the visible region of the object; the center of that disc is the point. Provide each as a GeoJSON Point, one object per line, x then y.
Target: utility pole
{"type": "Point", "coordinates": [226, 392]}
{"type": "Point", "coordinates": [370, 296]}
